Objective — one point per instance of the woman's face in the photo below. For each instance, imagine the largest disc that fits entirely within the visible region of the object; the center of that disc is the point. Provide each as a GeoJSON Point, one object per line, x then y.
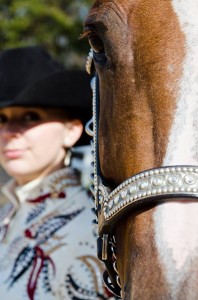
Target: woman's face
{"type": "Point", "coordinates": [33, 141]}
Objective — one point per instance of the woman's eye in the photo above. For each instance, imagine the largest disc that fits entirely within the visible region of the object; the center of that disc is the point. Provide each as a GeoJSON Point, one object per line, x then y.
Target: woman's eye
{"type": "Point", "coordinates": [3, 119]}
{"type": "Point", "coordinates": [31, 117]}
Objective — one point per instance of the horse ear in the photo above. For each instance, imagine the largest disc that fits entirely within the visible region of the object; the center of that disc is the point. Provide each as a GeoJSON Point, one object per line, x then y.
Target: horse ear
{"type": "Point", "coordinates": [73, 132]}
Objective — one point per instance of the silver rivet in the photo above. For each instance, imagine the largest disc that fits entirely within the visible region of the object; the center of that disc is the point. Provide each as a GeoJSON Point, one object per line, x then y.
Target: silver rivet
{"type": "Point", "coordinates": [116, 199]}
{"type": "Point", "coordinates": [143, 185]}
{"type": "Point", "coordinates": [156, 181]}
{"type": "Point", "coordinates": [132, 189]}
{"type": "Point", "coordinates": [178, 169]}
{"type": "Point", "coordinates": [189, 179]}
{"type": "Point", "coordinates": [173, 179]}
{"type": "Point", "coordinates": [123, 194]}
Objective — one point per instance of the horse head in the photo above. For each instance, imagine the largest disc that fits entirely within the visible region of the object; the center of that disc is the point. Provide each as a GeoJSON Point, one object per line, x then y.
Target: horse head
{"type": "Point", "coordinates": [145, 54]}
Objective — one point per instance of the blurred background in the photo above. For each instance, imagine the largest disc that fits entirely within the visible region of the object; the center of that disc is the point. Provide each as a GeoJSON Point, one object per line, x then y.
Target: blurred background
{"type": "Point", "coordinates": [56, 25]}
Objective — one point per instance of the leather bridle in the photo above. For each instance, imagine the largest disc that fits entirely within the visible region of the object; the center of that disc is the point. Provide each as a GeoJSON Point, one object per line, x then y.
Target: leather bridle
{"type": "Point", "coordinates": [148, 187]}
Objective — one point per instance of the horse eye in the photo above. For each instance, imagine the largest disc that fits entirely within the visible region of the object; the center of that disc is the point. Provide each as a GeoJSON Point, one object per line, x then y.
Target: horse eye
{"type": "Point", "coordinates": [96, 43]}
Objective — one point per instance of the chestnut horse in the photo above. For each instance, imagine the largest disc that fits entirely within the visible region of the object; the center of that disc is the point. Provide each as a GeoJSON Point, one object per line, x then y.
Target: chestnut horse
{"type": "Point", "coordinates": [145, 54]}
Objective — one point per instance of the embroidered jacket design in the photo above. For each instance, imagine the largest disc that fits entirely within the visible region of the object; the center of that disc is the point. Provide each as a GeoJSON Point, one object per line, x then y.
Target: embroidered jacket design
{"type": "Point", "coordinates": [53, 222]}
{"type": "Point", "coordinates": [35, 256]}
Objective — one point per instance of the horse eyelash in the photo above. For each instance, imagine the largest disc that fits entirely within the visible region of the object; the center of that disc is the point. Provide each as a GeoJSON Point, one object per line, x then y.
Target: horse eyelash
{"type": "Point", "coordinates": [85, 34]}
{"type": "Point", "coordinates": [87, 31]}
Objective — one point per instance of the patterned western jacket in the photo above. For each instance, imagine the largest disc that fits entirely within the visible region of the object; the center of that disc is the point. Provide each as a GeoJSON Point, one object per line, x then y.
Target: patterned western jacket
{"type": "Point", "coordinates": [48, 246]}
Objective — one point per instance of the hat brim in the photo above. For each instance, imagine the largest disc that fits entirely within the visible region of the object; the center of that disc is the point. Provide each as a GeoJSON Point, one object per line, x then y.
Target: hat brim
{"type": "Point", "coordinates": [68, 90]}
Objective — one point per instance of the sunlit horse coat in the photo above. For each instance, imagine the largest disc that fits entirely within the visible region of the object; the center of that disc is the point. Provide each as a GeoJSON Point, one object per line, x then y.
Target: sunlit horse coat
{"type": "Point", "coordinates": [48, 249]}
{"type": "Point", "coordinates": [146, 58]}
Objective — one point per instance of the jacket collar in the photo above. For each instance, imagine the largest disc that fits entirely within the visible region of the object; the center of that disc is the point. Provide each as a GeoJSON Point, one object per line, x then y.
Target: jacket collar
{"type": "Point", "coordinates": [54, 182]}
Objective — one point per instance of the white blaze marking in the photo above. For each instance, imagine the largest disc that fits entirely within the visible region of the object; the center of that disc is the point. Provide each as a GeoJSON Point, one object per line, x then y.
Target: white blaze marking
{"type": "Point", "coordinates": [183, 140]}
{"type": "Point", "coordinates": [176, 224]}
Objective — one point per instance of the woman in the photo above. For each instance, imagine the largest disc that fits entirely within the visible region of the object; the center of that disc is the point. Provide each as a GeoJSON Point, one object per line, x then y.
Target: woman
{"type": "Point", "coordinates": [47, 248]}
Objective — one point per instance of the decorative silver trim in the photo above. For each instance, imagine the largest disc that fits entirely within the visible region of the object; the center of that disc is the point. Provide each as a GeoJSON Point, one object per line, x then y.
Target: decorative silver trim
{"type": "Point", "coordinates": [171, 181]}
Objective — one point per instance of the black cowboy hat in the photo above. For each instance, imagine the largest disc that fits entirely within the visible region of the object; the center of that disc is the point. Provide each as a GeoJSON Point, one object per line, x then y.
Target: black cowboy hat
{"type": "Point", "coordinates": [30, 77]}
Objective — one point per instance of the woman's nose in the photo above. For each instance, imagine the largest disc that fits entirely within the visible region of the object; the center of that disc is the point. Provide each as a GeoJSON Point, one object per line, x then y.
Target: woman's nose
{"type": "Point", "coordinates": [11, 128]}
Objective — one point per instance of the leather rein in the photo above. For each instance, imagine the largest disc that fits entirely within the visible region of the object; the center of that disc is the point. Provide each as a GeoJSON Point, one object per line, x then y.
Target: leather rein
{"type": "Point", "coordinates": [148, 187]}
